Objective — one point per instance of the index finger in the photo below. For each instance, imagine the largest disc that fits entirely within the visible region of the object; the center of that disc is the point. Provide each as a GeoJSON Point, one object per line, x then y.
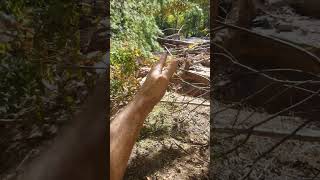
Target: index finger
{"type": "Point", "coordinates": [161, 62]}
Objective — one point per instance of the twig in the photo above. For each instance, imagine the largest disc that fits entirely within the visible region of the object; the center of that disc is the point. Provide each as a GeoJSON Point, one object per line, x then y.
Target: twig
{"type": "Point", "coordinates": [266, 133]}
{"type": "Point", "coordinates": [81, 67]}
{"type": "Point", "coordinates": [204, 161]}
{"type": "Point", "coordinates": [290, 70]}
{"type": "Point", "coordinates": [311, 55]}
{"type": "Point", "coordinates": [168, 50]}
{"type": "Point", "coordinates": [275, 146]}
{"type": "Point", "coordinates": [195, 86]}
{"type": "Point", "coordinates": [184, 102]}
{"type": "Point", "coordinates": [250, 129]}
{"type": "Point", "coordinates": [245, 99]}
{"type": "Point", "coordinates": [285, 110]}
{"type": "Point", "coordinates": [233, 60]}
{"type": "Point", "coordinates": [192, 110]}
{"type": "Point", "coordinates": [10, 121]}
{"type": "Point", "coordinates": [267, 102]}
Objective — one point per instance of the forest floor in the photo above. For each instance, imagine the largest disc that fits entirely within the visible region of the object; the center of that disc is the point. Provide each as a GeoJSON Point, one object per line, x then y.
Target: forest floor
{"type": "Point", "coordinates": [294, 159]}
{"type": "Point", "coordinates": [174, 143]}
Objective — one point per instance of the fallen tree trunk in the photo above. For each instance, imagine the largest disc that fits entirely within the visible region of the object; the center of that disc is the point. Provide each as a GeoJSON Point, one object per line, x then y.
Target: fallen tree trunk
{"type": "Point", "coordinates": [194, 77]}
{"type": "Point", "coordinates": [174, 42]}
{"type": "Point", "coordinates": [260, 52]}
{"type": "Point", "coordinates": [306, 7]}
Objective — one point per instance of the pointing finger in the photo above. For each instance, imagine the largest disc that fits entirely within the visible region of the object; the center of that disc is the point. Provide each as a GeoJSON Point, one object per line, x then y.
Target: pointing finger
{"type": "Point", "coordinates": [161, 62]}
{"type": "Point", "coordinates": [171, 69]}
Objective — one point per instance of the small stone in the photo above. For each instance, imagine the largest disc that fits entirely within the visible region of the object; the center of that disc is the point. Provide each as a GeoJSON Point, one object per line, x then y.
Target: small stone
{"type": "Point", "coordinates": [178, 170]}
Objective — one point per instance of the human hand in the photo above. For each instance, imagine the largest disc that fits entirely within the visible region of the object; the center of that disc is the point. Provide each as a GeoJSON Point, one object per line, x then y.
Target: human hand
{"type": "Point", "coordinates": [157, 81]}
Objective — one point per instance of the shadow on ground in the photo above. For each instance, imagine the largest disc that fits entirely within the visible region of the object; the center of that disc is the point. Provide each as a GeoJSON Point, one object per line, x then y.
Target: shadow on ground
{"type": "Point", "coordinates": [142, 166]}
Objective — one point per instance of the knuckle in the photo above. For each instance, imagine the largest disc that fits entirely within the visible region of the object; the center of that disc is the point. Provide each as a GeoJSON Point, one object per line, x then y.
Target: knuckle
{"type": "Point", "coordinates": [162, 78]}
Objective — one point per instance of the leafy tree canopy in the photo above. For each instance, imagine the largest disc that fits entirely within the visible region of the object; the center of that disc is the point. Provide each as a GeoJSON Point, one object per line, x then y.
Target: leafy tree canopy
{"type": "Point", "coordinates": [136, 24]}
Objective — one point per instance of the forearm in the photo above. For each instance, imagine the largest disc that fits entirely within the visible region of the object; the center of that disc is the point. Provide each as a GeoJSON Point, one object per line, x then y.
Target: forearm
{"type": "Point", "coordinates": [125, 128]}
{"type": "Point", "coordinates": [124, 131]}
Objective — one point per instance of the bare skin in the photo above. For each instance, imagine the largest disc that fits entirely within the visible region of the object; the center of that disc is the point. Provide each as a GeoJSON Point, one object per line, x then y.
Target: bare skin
{"type": "Point", "coordinates": [81, 153]}
{"type": "Point", "coordinates": [126, 127]}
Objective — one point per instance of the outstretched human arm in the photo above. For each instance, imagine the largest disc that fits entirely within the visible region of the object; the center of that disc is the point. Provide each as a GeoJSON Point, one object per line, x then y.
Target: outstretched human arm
{"type": "Point", "coordinates": [126, 127]}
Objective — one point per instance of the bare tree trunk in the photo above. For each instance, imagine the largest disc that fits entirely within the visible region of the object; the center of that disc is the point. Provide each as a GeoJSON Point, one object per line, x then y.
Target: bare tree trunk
{"type": "Point", "coordinates": [213, 12]}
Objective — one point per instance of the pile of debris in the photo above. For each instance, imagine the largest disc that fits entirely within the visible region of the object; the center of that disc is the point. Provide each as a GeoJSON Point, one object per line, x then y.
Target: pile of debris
{"type": "Point", "coordinates": [193, 77]}
{"type": "Point", "coordinates": [266, 90]}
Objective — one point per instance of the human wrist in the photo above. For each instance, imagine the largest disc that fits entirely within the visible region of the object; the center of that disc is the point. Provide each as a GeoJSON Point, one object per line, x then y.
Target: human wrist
{"type": "Point", "coordinates": [144, 101]}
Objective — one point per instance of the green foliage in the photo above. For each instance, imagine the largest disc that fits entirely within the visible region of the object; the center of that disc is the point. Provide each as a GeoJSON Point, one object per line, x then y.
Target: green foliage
{"type": "Point", "coordinates": [18, 81]}
{"type": "Point", "coordinates": [195, 22]}
{"type": "Point", "coordinates": [45, 34]}
{"type": "Point", "coordinates": [135, 26]}
{"type": "Point", "coordinates": [191, 15]}
{"type": "Point", "coordinates": [134, 37]}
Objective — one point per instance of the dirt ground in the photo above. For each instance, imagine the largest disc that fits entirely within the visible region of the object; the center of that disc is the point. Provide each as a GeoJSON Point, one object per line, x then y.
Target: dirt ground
{"type": "Point", "coordinates": [174, 143]}
{"type": "Point", "coordinates": [296, 159]}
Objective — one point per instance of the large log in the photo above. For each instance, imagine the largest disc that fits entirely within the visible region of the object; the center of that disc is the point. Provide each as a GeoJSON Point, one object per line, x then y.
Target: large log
{"type": "Point", "coordinates": [265, 53]}
{"type": "Point", "coordinates": [174, 42]}
{"type": "Point", "coordinates": [307, 7]}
